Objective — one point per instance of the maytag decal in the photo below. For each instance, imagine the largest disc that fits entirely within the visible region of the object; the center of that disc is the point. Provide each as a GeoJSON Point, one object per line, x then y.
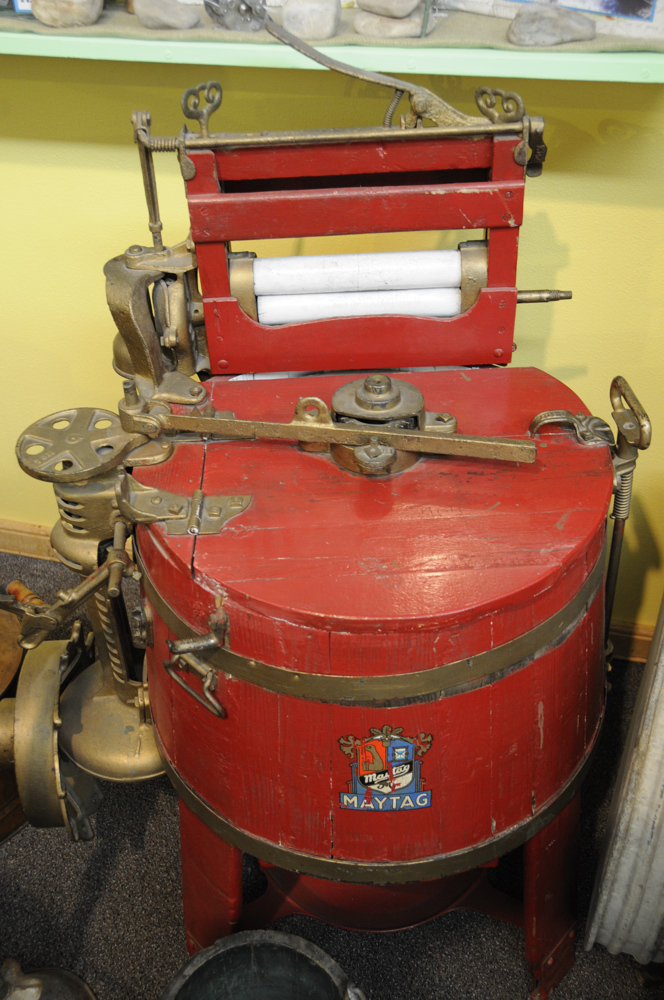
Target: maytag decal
{"type": "Point", "coordinates": [385, 771]}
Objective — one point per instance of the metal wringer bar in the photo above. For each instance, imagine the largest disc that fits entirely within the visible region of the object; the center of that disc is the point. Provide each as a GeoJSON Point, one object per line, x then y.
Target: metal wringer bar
{"type": "Point", "coordinates": [355, 527]}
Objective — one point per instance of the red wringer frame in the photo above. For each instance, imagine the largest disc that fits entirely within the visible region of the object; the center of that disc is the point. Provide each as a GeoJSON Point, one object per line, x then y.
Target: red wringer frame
{"type": "Point", "coordinates": [373, 567]}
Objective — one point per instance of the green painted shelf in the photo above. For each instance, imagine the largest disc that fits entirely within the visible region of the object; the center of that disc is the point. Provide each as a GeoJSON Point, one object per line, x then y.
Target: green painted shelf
{"type": "Point", "coordinates": [618, 67]}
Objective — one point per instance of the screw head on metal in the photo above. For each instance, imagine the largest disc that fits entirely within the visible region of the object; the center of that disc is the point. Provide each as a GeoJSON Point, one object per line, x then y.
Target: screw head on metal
{"type": "Point", "coordinates": [374, 458]}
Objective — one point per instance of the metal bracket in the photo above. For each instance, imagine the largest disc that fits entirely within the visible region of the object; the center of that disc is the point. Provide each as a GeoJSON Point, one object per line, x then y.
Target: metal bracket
{"type": "Point", "coordinates": [589, 430]}
{"type": "Point", "coordinates": [195, 515]}
{"type": "Point", "coordinates": [171, 260]}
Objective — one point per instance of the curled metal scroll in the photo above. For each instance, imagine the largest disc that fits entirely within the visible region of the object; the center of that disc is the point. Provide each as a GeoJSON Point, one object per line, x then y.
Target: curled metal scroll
{"type": "Point", "coordinates": [202, 101]}
{"type": "Point", "coordinates": [487, 98]}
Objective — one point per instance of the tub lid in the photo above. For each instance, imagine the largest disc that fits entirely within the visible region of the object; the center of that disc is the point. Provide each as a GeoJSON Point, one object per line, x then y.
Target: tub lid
{"type": "Point", "coordinates": [444, 542]}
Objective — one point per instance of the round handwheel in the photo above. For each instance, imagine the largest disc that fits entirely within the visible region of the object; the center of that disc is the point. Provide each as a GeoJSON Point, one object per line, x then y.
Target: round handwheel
{"type": "Point", "coordinates": [72, 445]}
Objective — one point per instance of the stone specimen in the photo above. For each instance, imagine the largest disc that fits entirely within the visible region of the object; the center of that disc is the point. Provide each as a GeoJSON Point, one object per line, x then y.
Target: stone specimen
{"type": "Point", "coordinates": [389, 8]}
{"type": "Point", "coordinates": [67, 13]}
{"type": "Point", "coordinates": [546, 24]}
{"type": "Point", "coordinates": [312, 18]}
{"type": "Point", "coordinates": [377, 26]}
{"type": "Point", "coordinates": [166, 14]}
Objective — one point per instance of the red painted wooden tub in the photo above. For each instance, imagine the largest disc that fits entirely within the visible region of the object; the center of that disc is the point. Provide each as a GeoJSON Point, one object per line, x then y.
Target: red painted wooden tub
{"type": "Point", "coordinates": [418, 671]}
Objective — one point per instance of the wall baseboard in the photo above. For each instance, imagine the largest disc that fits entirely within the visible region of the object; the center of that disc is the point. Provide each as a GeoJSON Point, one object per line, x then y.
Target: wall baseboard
{"type": "Point", "coordinates": [20, 539]}
{"type": "Point", "coordinates": [630, 641]}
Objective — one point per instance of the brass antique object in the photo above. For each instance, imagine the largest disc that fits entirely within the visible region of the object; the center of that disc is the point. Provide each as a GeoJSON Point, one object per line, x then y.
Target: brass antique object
{"type": "Point", "coordinates": [53, 791]}
{"type": "Point", "coordinates": [43, 984]}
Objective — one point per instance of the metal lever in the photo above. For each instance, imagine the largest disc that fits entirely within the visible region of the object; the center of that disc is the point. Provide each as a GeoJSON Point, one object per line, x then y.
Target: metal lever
{"type": "Point", "coordinates": [184, 658]}
{"type": "Point", "coordinates": [38, 620]}
{"type": "Point", "coordinates": [313, 423]}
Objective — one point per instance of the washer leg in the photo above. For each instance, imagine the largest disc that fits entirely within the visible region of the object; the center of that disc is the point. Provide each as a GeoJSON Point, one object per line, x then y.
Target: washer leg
{"type": "Point", "coordinates": [550, 880]}
{"type": "Point", "coordinates": [211, 883]}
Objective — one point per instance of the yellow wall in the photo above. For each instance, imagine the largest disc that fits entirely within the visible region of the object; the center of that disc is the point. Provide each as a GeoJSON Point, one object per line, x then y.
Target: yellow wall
{"type": "Point", "coordinates": [71, 197]}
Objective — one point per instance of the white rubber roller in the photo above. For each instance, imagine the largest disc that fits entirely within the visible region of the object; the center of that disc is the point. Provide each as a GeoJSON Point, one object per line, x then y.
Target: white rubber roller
{"type": "Point", "coordinates": [441, 302]}
{"type": "Point", "coordinates": [357, 272]}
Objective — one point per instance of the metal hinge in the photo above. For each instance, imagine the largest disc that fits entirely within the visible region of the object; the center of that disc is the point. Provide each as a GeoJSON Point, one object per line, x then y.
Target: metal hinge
{"type": "Point", "coordinates": [195, 515]}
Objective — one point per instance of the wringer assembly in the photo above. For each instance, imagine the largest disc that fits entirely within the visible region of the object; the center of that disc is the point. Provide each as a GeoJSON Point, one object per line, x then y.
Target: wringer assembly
{"type": "Point", "coordinates": [370, 650]}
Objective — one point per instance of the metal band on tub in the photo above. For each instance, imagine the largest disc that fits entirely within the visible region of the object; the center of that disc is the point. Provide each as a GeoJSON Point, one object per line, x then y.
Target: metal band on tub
{"type": "Point", "coordinates": [393, 690]}
{"type": "Point", "coordinates": [376, 872]}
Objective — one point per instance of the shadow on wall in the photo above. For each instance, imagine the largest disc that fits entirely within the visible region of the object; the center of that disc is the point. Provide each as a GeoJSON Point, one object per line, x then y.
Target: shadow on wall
{"type": "Point", "coordinates": [640, 555]}
{"type": "Point", "coordinates": [542, 258]}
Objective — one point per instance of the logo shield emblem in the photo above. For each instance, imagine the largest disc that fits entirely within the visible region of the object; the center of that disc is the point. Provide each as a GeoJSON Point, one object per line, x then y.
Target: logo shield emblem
{"type": "Point", "coordinates": [385, 769]}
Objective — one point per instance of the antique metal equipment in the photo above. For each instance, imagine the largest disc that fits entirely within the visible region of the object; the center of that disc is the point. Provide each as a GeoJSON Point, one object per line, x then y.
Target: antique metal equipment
{"type": "Point", "coordinates": [370, 647]}
{"type": "Point", "coordinates": [261, 965]}
{"type": "Point", "coordinates": [11, 814]}
{"type": "Point", "coordinates": [44, 984]}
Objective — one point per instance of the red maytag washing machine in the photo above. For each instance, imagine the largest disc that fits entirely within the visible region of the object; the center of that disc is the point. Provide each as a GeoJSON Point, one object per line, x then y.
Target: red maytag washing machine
{"type": "Point", "coordinates": [371, 553]}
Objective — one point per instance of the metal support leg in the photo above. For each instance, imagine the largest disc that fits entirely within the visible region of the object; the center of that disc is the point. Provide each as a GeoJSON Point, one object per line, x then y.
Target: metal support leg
{"type": "Point", "coordinates": [211, 883]}
{"type": "Point", "coordinates": [550, 879]}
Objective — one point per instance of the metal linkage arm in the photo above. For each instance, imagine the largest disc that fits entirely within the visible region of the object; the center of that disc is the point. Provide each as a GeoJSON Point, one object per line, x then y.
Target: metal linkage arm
{"type": "Point", "coordinates": [313, 424]}
{"type": "Point", "coordinates": [39, 620]}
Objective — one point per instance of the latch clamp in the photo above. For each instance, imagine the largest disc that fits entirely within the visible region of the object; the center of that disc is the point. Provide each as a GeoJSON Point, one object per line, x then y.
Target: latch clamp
{"type": "Point", "coordinates": [184, 659]}
{"type": "Point", "coordinates": [589, 430]}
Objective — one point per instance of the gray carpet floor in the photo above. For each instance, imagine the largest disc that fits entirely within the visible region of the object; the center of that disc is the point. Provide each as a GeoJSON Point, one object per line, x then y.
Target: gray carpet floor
{"type": "Point", "coordinates": [110, 910]}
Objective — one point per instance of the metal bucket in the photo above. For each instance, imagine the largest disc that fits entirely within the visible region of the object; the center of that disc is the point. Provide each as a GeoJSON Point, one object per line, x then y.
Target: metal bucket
{"type": "Point", "coordinates": [262, 965]}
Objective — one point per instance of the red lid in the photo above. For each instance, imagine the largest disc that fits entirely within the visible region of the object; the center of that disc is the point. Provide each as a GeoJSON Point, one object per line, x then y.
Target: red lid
{"type": "Point", "coordinates": [449, 543]}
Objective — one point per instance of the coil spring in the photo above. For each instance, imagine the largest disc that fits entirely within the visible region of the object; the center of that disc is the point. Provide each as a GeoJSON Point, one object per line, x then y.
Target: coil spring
{"type": "Point", "coordinates": [163, 145]}
{"type": "Point", "coordinates": [623, 498]}
{"type": "Point", "coordinates": [392, 107]}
